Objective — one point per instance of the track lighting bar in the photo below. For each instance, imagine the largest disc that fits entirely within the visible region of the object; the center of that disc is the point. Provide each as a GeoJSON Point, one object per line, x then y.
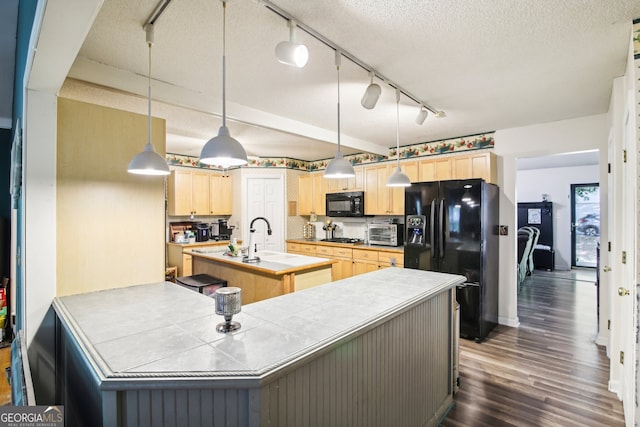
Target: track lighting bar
{"type": "Point", "coordinates": [159, 10]}
{"type": "Point", "coordinates": [313, 33]}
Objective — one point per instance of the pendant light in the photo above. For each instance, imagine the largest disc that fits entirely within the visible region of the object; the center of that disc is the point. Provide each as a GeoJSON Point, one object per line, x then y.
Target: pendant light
{"type": "Point", "coordinates": [398, 178]}
{"type": "Point", "coordinates": [223, 150]}
{"type": "Point", "coordinates": [148, 162]}
{"type": "Point", "coordinates": [339, 167]}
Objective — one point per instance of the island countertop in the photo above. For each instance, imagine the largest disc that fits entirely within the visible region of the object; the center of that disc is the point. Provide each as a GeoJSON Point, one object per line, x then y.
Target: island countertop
{"type": "Point", "coordinates": [273, 332]}
{"type": "Point", "coordinates": [159, 340]}
{"type": "Point", "coordinates": [271, 262]}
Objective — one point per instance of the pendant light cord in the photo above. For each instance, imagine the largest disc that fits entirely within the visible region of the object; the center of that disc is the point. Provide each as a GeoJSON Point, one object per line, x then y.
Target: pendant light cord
{"type": "Point", "coordinates": [338, 69]}
{"type": "Point", "coordinates": [224, 44]}
{"type": "Point", "coordinates": [398, 126]}
{"type": "Point", "coordinates": [149, 97]}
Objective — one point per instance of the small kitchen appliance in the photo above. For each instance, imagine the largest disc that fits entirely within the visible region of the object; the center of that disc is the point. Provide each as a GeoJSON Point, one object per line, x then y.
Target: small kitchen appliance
{"type": "Point", "coordinates": [350, 204]}
{"type": "Point", "coordinates": [386, 234]}
{"type": "Point", "coordinates": [202, 232]}
{"type": "Point", "coordinates": [220, 230]}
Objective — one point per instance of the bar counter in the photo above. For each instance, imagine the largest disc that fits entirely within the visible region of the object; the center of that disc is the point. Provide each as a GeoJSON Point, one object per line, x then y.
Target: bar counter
{"type": "Point", "coordinates": [376, 348]}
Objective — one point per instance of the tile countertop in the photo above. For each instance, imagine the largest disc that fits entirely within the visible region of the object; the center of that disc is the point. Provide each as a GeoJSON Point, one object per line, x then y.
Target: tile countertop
{"type": "Point", "coordinates": [276, 263]}
{"type": "Point", "coordinates": [163, 330]}
{"type": "Point", "coordinates": [399, 249]}
{"type": "Point", "coordinates": [198, 244]}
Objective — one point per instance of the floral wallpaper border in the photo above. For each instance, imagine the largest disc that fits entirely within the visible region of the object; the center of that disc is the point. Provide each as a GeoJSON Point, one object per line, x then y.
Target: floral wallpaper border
{"type": "Point", "coordinates": [636, 38]}
{"type": "Point", "coordinates": [423, 149]}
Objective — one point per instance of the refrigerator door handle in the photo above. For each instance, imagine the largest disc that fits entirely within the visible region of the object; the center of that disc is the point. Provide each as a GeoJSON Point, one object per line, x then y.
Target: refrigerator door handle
{"type": "Point", "coordinates": [441, 228]}
{"type": "Point", "coordinates": [431, 230]}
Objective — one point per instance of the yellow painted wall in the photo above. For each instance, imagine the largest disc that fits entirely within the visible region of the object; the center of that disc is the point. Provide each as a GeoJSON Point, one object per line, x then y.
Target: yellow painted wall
{"type": "Point", "coordinates": [110, 224]}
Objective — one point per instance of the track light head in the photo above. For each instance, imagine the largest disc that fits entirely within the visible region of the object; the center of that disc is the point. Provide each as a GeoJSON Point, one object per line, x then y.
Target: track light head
{"type": "Point", "coordinates": [291, 52]}
{"type": "Point", "coordinates": [422, 115]}
{"type": "Point", "coordinates": [371, 94]}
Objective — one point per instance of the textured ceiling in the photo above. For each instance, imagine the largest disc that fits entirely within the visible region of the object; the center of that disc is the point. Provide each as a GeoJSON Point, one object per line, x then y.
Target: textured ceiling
{"type": "Point", "coordinates": [489, 64]}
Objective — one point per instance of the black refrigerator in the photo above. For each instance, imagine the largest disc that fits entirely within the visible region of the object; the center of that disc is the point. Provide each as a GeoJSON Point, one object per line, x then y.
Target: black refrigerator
{"type": "Point", "coordinates": [452, 227]}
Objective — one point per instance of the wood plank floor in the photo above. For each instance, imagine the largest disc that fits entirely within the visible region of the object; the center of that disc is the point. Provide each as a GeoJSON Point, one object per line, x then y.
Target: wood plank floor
{"type": "Point", "coordinates": [547, 372]}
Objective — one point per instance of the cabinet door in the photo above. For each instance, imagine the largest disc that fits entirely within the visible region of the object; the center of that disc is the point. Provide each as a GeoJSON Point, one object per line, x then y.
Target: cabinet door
{"type": "Point", "coordinates": [427, 170]}
{"type": "Point", "coordinates": [361, 267]}
{"type": "Point", "coordinates": [357, 182]}
{"type": "Point", "coordinates": [484, 166]}
{"type": "Point", "coordinates": [200, 193]}
{"type": "Point", "coordinates": [179, 192]}
{"type": "Point", "coordinates": [443, 168]}
{"type": "Point", "coordinates": [461, 167]}
{"type": "Point", "coordinates": [434, 169]}
{"type": "Point", "coordinates": [411, 169]}
{"type": "Point", "coordinates": [305, 194]}
{"type": "Point", "coordinates": [396, 201]}
{"type": "Point", "coordinates": [220, 195]}
{"type": "Point", "coordinates": [342, 269]}
{"type": "Point", "coordinates": [319, 193]}
{"type": "Point", "coordinates": [376, 200]}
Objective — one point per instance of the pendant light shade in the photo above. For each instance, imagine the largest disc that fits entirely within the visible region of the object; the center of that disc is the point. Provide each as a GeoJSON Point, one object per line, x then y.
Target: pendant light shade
{"type": "Point", "coordinates": [291, 52]}
{"type": "Point", "coordinates": [371, 94]}
{"type": "Point", "coordinates": [339, 167]}
{"type": "Point", "coordinates": [148, 162]}
{"type": "Point", "coordinates": [223, 150]}
{"type": "Point", "coordinates": [398, 178]}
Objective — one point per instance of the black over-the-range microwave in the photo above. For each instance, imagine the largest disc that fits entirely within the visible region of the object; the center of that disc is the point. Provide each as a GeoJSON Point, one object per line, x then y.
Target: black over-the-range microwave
{"type": "Point", "coordinates": [345, 204]}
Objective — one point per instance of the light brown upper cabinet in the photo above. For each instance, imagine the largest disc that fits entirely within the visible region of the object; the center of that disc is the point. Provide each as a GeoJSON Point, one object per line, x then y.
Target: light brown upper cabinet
{"type": "Point", "coordinates": [311, 194]}
{"type": "Point", "coordinates": [479, 165]}
{"type": "Point", "coordinates": [437, 169]}
{"type": "Point", "coordinates": [346, 184]}
{"type": "Point", "coordinates": [380, 199]}
{"type": "Point", "coordinates": [461, 166]}
{"type": "Point", "coordinates": [220, 194]}
{"type": "Point", "coordinates": [198, 193]}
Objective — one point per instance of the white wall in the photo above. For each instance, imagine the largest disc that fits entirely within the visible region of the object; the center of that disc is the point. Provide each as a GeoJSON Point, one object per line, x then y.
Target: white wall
{"type": "Point", "coordinates": [556, 182]}
{"type": "Point", "coordinates": [566, 136]}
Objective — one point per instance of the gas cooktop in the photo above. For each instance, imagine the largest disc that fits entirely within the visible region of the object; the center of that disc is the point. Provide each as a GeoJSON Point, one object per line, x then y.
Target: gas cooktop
{"type": "Point", "coordinates": [342, 240]}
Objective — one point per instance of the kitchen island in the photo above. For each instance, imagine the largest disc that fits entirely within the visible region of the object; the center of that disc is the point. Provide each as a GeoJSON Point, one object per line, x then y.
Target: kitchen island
{"type": "Point", "coordinates": [277, 273]}
{"type": "Point", "coordinates": [376, 349]}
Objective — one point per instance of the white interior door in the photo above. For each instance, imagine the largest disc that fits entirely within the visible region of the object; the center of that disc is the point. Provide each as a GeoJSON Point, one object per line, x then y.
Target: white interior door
{"type": "Point", "coordinates": [626, 291]}
{"type": "Point", "coordinates": [265, 198]}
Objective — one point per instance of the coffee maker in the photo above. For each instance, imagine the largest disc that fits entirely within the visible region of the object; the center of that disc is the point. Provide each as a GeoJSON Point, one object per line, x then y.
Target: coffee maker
{"type": "Point", "coordinates": [221, 230]}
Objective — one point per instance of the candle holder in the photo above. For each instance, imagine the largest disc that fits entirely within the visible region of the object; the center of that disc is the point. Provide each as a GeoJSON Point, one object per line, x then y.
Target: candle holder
{"type": "Point", "coordinates": [228, 303]}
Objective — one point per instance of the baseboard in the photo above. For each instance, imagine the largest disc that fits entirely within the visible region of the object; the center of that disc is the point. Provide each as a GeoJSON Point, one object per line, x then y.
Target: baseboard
{"type": "Point", "coordinates": [602, 340]}
{"type": "Point", "coordinates": [509, 321]}
{"type": "Point", "coordinates": [614, 387]}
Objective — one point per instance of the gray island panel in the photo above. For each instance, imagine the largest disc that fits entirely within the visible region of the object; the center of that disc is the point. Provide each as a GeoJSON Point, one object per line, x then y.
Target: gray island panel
{"type": "Point", "coordinates": [372, 347]}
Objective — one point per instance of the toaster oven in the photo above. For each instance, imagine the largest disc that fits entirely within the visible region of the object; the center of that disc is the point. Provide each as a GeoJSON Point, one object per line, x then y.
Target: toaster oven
{"type": "Point", "coordinates": [386, 234]}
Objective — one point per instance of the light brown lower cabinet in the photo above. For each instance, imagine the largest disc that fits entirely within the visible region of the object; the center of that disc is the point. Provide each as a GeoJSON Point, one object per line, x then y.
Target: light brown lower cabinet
{"type": "Point", "coordinates": [350, 261]}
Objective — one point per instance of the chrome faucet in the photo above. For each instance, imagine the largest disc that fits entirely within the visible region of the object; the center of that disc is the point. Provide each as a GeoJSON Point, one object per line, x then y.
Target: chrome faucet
{"type": "Point", "coordinates": [252, 250]}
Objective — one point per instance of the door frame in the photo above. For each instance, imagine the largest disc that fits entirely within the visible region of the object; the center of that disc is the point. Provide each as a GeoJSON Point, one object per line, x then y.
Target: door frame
{"type": "Point", "coordinates": [573, 221]}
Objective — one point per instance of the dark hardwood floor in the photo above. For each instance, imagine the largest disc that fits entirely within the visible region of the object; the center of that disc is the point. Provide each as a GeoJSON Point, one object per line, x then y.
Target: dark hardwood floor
{"type": "Point", "coordinates": [547, 372]}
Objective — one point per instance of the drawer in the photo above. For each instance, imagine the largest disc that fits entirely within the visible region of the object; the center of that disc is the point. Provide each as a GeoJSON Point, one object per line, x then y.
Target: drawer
{"type": "Point", "coordinates": [343, 252]}
{"type": "Point", "coordinates": [293, 247]}
{"type": "Point", "coordinates": [308, 249]}
{"type": "Point", "coordinates": [324, 250]}
{"type": "Point", "coordinates": [365, 255]}
{"type": "Point", "coordinates": [391, 258]}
